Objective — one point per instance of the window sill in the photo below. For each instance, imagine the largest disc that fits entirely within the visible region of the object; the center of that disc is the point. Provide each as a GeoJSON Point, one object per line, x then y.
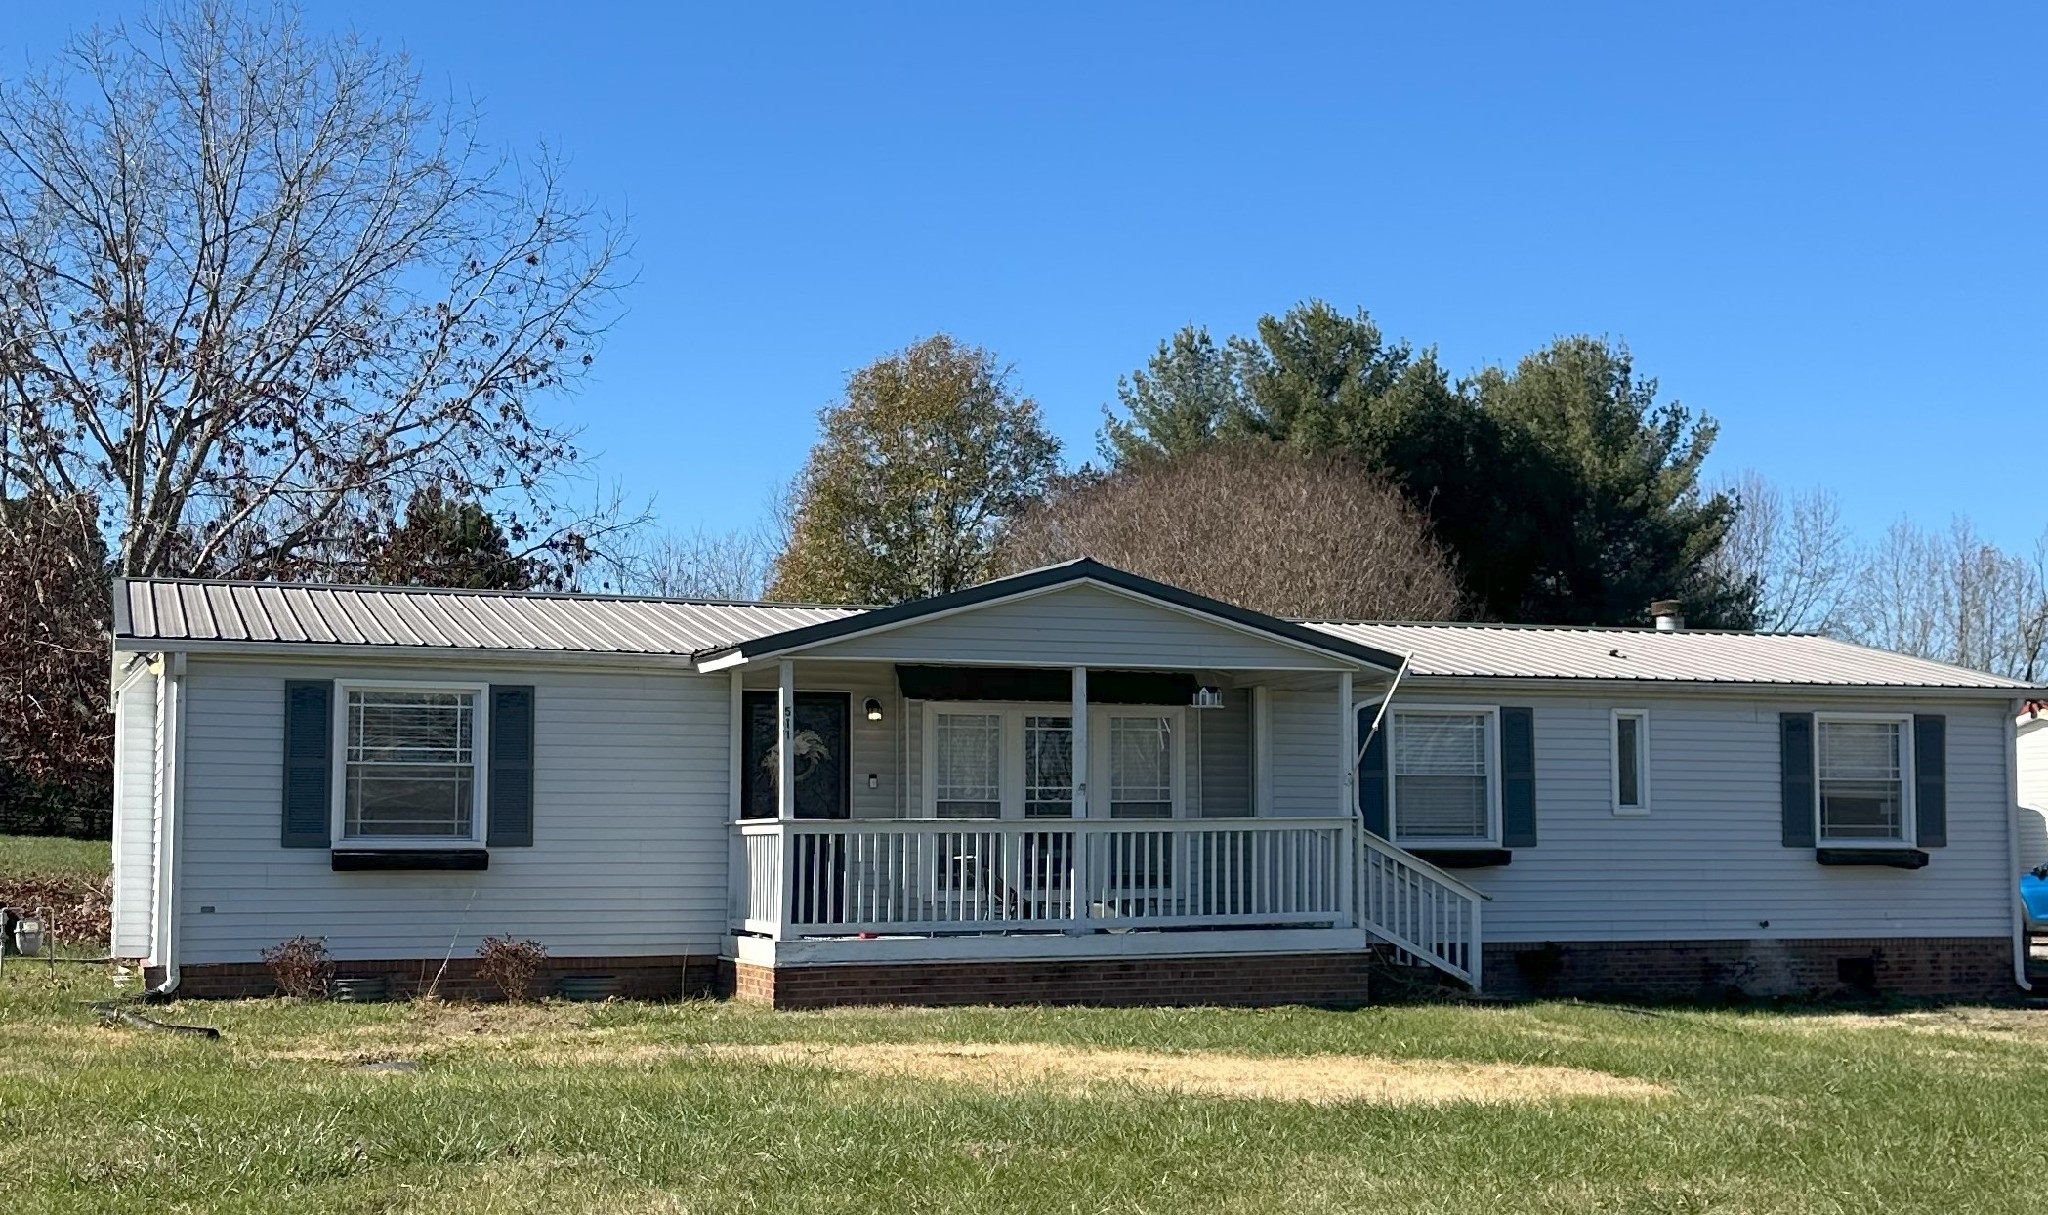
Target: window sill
{"type": "Point", "coordinates": [1464, 858]}
{"type": "Point", "coordinates": [355, 860]}
{"type": "Point", "coordinates": [1891, 858]}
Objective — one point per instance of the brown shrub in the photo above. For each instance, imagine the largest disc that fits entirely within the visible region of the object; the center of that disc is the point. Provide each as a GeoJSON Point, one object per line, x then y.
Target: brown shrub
{"type": "Point", "coordinates": [301, 966]}
{"type": "Point", "coordinates": [510, 964]}
{"type": "Point", "coordinates": [1250, 523]}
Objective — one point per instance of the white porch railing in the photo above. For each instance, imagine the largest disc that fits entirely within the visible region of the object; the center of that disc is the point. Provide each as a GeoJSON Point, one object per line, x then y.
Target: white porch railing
{"type": "Point", "coordinates": [842, 877]}
{"type": "Point", "coordinates": [1419, 909]}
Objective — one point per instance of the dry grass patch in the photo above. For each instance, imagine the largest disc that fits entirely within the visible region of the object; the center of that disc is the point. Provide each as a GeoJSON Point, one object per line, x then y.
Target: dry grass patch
{"type": "Point", "coordinates": [1315, 1079]}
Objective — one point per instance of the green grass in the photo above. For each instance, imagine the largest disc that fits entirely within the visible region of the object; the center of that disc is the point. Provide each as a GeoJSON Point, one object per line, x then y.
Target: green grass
{"type": "Point", "coordinates": [565, 1108]}
{"type": "Point", "coordinates": [48, 856]}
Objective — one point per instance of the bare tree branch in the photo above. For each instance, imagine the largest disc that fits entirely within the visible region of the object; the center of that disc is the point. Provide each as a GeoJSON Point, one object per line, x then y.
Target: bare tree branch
{"type": "Point", "coordinates": [256, 289]}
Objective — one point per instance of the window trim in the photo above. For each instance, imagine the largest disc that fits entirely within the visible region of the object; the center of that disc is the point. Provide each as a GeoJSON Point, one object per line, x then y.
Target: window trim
{"type": "Point", "coordinates": [1908, 811]}
{"type": "Point", "coordinates": [1010, 776]}
{"type": "Point", "coordinates": [479, 758]}
{"type": "Point", "coordinates": [1642, 719]}
{"type": "Point", "coordinates": [1493, 778]}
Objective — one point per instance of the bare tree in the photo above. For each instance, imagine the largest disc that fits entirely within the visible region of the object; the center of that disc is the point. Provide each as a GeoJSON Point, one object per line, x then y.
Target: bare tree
{"type": "Point", "coordinates": [1253, 525]}
{"type": "Point", "coordinates": [1955, 597]}
{"type": "Point", "coordinates": [1795, 549]}
{"type": "Point", "coordinates": [704, 565]}
{"type": "Point", "coordinates": [256, 288]}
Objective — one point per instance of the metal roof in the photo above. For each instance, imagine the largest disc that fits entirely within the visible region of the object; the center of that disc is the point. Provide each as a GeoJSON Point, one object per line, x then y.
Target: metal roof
{"type": "Point", "coordinates": [1497, 651]}
{"type": "Point", "coordinates": [183, 610]}
{"type": "Point", "coordinates": [172, 613]}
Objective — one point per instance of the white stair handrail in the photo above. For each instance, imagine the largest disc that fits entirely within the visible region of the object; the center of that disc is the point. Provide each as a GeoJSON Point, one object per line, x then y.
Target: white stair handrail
{"type": "Point", "coordinates": [1420, 909]}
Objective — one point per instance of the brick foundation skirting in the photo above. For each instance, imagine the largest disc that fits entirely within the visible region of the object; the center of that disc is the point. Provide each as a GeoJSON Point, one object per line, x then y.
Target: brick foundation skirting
{"type": "Point", "coordinates": [1327, 979]}
{"type": "Point", "coordinates": [640, 978]}
{"type": "Point", "coordinates": [1959, 968]}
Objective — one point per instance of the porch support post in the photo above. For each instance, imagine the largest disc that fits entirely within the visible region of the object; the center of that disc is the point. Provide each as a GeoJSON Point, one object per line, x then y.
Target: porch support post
{"type": "Point", "coordinates": [1080, 742]}
{"type": "Point", "coordinates": [785, 751]}
{"type": "Point", "coordinates": [1347, 747]}
{"type": "Point", "coordinates": [736, 765]}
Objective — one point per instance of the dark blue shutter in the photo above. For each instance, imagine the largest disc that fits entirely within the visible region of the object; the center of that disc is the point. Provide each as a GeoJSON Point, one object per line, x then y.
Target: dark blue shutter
{"type": "Point", "coordinates": [1930, 780]}
{"type": "Point", "coordinates": [1517, 778]}
{"type": "Point", "coordinates": [1372, 778]}
{"type": "Point", "coordinates": [1795, 779]}
{"type": "Point", "coordinates": [510, 823]}
{"type": "Point", "coordinates": [308, 763]}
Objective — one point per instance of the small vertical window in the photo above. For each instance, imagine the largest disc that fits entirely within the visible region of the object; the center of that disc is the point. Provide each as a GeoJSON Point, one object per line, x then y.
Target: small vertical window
{"type": "Point", "coordinates": [969, 764]}
{"type": "Point", "coordinates": [1140, 767]}
{"type": "Point", "coordinates": [1631, 761]}
{"type": "Point", "coordinates": [1048, 767]}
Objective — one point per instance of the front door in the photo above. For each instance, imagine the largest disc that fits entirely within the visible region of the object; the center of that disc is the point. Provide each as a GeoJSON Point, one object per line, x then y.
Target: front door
{"type": "Point", "coordinates": [823, 767]}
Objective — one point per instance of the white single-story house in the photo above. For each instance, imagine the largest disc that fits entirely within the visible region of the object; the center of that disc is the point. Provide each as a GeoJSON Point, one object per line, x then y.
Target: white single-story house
{"type": "Point", "coordinates": [1070, 785]}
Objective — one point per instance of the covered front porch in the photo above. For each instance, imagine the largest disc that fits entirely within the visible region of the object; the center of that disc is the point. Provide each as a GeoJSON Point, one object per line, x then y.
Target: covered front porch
{"type": "Point", "coordinates": [1074, 765]}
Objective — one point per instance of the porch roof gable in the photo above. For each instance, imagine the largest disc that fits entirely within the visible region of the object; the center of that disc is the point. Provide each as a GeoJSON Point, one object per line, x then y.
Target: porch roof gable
{"type": "Point", "coordinates": [1080, 572]}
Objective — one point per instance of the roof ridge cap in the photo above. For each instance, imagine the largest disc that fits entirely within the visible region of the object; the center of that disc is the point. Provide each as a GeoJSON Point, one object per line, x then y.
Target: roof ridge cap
{"type": "Point", "coordinates": [492, 593]}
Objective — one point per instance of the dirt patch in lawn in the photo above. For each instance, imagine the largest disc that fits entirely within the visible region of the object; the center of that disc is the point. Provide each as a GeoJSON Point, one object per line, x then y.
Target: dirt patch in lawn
{"type": "Point", "coordinates": [1317, 1079]}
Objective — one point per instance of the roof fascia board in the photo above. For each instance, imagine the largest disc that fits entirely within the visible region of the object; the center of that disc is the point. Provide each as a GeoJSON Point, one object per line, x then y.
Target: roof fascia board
{"type": "Point", "coordinates": [732, 661]}
{"type": "Point", "coordinates": [355, 651]}
{"type": "Point", "coordinates": [1573, 683]}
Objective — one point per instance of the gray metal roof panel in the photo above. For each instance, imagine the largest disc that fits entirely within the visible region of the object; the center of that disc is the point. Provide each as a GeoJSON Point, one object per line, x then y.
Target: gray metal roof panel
{"type": "Point", "coordinates": [1482, 651]}
{"type": "Point", "coordinates": [174, 610]}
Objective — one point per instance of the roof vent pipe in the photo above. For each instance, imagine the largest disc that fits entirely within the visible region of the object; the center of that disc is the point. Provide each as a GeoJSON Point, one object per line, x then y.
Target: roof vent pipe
{"type": "Point", "coordinates": [1669, 615]}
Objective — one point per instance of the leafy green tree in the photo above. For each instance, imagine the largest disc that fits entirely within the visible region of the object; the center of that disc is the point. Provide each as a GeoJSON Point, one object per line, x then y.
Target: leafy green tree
{"type": "Point", "coordinates": [917, 470]}
{"type": "Point", "coordinates": [1563, 491]}
{"type": "Point", "coordinates": [1625, 520]}
{"type": "Point", "coordinates": [1188, 395]}
{"type": "Point", "coordinates": [448, 542]}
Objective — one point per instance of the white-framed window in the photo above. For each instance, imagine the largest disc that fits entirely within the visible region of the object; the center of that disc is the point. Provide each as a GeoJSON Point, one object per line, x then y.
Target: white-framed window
{"type": "Point", "coordinates": [1017, 761]}
{"type": "Point", "coordinates": [1631, 761]}
{"type": "Point", "coordinates": [1048, 766]}
{"type": "Point", "coordinates": [411, 769]}
{"type": "Point", "coordinates": [967, 764]}
{"type": "Point", "coordinates": [1445, 772]}
{"type": "Point", "coordinates": [1141, 767]}
{"type": "Point", "coordinates": [1863, 778]}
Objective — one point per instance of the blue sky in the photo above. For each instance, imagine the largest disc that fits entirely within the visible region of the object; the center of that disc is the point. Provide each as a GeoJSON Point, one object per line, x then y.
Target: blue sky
{"type": "Point", "coordinates": [1823, 225]}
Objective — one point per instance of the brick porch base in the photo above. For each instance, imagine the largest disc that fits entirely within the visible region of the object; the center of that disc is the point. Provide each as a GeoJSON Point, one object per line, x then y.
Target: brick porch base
{"type": "Point", "coordinates": [1961, 968]}
{"type": "Point", "coordinates": [640, 978]}
{"type": "Point", "coordinates": [1330, 979]}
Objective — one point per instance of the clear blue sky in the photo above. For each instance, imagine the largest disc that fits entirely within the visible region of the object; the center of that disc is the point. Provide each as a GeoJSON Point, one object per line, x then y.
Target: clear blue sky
{"type": "Point", "coordinates": [1823, 225]}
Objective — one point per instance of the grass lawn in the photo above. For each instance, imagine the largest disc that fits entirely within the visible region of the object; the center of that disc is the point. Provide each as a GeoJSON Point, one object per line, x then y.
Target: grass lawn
{"type": "Point", "coordinates": [720, 1107]}
{"type": "Point", "coordinates": [46, 856]}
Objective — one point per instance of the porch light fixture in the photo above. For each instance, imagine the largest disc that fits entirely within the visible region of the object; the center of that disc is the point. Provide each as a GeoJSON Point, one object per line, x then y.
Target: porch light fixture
{"type": "Point", "coordinates": [874, 709]}
{"type": "Point", "coordinates": [1207, 698]}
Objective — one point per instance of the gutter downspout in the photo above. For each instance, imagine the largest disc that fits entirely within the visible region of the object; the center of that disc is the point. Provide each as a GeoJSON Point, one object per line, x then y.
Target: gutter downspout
{"type": "Point", "coordinates": [2012, 844]}
{"type": "Point", "coordinates": [171, 826]}
{"type": "Point", "coordinates": [1380, 716]}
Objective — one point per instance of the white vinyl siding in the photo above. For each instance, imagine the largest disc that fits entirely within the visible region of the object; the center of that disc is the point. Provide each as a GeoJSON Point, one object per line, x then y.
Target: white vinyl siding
{"type": "Point", "coordinates": [1304, 750]}
{"type": "Point", "coordinates": [630, 837]}
{"type": "Point", "coordinates": [134, 851]}
{"type": "Point", "coordinates": [1710, 863]}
